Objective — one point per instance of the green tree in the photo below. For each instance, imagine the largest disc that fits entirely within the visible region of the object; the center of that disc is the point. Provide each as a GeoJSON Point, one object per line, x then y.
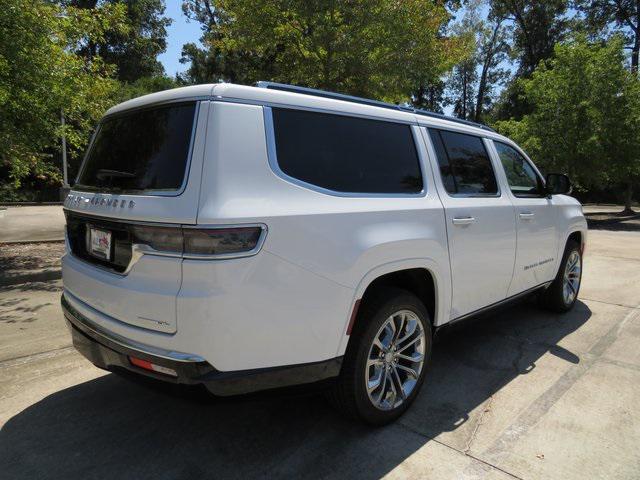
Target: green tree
{"type": "Point", "coordinates": [624, 14]}
{"type": "Point", "coordinates": [493, 50]}
{"type": "Point", "coordinates": [586, 115]}
{"type": "Point", "coordinates": [463, 79]}
{"type": "Point", "coordinates": [374, 48]}
{"type": "Point", "coordinates": [536, 28]}
{"type": "Point", "coordinates": [133, 51]}
{"type": "Point", "coordinates": [430, 96]}
{"type": "Point", "coordinates": [473, 82]}
{"type": "Point", "coordinates": [40, 76]}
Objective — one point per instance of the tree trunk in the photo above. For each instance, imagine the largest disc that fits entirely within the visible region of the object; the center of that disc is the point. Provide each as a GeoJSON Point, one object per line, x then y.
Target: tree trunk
{"type": "Point", "coordinates": [464, 94]}
{"type": "Point", "coordinates": [486, 65]}
{"type": "Point", "coordinates": [628, 197]}
{"type": "Point", "coordinates": [635, 53]}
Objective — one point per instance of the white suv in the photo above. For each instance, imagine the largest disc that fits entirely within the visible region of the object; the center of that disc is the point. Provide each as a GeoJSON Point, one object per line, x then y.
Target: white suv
{"type": "Point", "coordinates": [248, 238]}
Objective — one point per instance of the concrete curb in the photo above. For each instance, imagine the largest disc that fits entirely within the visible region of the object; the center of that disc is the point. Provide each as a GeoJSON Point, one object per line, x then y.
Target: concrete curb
{"type": "Point", "coordinates": [28, 204]}
{"type": "Point", "coordinates": [31, 277]}
{"type": "Point", "coordinates": [22, 242]}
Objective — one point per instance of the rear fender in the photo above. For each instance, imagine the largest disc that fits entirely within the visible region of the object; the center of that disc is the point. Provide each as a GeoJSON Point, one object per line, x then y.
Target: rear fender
{"type": "Point", "coordinates": [441, 280]}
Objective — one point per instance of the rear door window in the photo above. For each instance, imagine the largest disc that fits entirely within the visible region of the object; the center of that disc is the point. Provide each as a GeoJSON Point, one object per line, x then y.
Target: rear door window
{"type": "Point", "coordinates": [465, 166]}
{"type": "Point", "coordinates": [346, 154]}
{"type": "Point", "coordinates": [140, 150]}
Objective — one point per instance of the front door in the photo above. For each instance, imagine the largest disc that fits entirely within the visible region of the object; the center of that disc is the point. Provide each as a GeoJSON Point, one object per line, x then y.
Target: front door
{"type": "Point", "coordinates": [535, 217]}
{"type": "Point", "coordinates": [479, 217]}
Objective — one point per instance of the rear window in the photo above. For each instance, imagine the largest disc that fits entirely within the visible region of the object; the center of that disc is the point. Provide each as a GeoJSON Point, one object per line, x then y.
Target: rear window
{"type": "Point", "coordinates": [346, 154]}
{"type": "Point", "coordinates": [142, 150]}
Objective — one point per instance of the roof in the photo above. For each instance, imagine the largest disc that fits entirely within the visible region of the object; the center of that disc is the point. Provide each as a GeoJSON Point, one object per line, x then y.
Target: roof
{"type": "Point", "coordinates": [275, 94]}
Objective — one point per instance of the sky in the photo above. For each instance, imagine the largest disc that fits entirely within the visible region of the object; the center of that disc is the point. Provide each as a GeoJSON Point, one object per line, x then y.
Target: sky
{"type": "Point", "coordinates": [181, 31]}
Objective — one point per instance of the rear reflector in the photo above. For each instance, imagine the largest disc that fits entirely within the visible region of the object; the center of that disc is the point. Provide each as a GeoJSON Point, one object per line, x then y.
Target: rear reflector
{"type": "Point", "coordinates": [138, 362]}
{"type": "Point", "coordinates": [354, 314]}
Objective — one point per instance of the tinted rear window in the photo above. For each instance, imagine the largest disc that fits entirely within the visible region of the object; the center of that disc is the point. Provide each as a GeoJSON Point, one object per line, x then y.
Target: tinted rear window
{"type": "Point", "coordinates": [143, 150]}
{"type": "Point", "coordinates": [464, 163]}
{"type": "Point", "coordinates": [347, 154]}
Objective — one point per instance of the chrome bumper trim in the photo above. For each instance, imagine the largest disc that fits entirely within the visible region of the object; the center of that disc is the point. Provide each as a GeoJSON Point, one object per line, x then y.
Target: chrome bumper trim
{"type": "Point", "coordinates": [83, 323]}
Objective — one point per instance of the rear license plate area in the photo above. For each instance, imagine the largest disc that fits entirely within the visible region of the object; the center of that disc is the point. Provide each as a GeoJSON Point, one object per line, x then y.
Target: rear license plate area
{"type": "Point", "coordinates": [99, 243]}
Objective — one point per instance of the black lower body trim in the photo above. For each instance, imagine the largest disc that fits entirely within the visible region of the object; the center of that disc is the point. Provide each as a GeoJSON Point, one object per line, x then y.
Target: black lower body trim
{"type": "Point", "coordinates": [507, 302]}
{"type": "Point", "coordinates": [108, 355]}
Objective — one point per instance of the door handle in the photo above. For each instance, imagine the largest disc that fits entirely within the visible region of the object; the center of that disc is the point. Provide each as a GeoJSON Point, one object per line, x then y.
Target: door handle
{"type": "Point", "coordinates": [463, 220]}
{"type": "Point", "coordinates": [527, 215]}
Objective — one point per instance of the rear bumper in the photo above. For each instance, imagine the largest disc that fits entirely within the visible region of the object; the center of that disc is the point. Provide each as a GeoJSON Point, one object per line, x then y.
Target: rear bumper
{"type": "Point", "coordinates": [110, 351]}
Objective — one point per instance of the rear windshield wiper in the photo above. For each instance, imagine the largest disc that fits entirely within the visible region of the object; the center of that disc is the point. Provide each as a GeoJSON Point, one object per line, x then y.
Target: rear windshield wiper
{"type": "Point", "coordinates": [104, 173]}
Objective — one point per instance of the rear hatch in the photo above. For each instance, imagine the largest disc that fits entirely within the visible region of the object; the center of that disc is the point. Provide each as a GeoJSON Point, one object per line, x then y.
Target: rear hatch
{"type": "Point", "coordinates": [138, 184]}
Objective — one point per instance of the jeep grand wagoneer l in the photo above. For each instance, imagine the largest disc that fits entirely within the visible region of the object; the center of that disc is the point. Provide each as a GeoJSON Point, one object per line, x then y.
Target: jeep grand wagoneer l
{"type": "Point", "coordinates": [247, 238]}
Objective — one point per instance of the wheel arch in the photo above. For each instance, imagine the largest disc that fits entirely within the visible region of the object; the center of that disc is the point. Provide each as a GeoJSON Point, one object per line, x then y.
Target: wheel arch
{"type": "Point", "coordinates": [419, 276]}
{"type": "Point", "coordinates": [576, 234]}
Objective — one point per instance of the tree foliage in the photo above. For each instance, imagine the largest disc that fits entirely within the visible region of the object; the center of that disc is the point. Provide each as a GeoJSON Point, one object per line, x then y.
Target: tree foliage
{"type": "Point", "coordinates": [133, 51]}
{"type": "Point", "coordinates": [376, 48]}
{"type": "Point", "coordinates": [536, 28]}
{"type": "Point", "coordinates": [473, 83]}
{"type": "Point", "coordinates": [586, 115]}
{"type": "Point", "coordinates": [623, 14]}
{"type": "Point", "coordinates": [43, 77]}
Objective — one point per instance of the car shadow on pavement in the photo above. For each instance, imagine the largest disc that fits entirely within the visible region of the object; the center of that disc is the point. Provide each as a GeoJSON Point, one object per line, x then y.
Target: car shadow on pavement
{"type": "Point", "coordinates": [112, 428]}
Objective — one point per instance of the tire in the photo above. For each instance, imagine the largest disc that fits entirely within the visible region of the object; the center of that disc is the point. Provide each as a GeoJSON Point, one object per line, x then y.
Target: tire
{"type": "Point", "coordinates": [555, 296]}
{"type": "Point", "coordinates": [350, 394]}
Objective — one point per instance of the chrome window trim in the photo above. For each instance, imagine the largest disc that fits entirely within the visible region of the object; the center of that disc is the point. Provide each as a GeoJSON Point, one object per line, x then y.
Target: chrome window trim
{"type": "Point", "coordinates": [275, 167]}
{"type": "Point", "coordinates": [159, 193]}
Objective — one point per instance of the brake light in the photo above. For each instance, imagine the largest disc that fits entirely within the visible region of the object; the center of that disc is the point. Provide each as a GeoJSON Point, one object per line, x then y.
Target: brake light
{"type": "Point", "coordinates": [221, 241]}
{"type": "Point", "coordinates": [162, 239]}
{"type": "Point", "coordinates": [198, 242]}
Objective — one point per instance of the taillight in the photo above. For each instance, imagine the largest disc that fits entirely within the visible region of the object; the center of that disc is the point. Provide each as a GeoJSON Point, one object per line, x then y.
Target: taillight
{"type": "Point", "coordinates": [214, 242]}
{"type": "Point", "coordinates": [162, 239]}
{"type": "Point", "coordinates": [221, 241]}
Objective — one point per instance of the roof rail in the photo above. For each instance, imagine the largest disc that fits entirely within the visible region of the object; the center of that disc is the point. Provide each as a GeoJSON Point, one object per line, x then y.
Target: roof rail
{"type": "Point", "coordinates": [365, 101]}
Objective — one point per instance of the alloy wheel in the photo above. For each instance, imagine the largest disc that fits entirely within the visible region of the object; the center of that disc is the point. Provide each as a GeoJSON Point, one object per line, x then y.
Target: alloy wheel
{"type": "Point", "coordinates": [571, 282]}
{"type": "Point", "coordinates": [395, 360]}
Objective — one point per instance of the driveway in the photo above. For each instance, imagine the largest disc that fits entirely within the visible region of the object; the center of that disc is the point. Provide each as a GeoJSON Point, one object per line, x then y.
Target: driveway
{"type": "Point", "coordinates": [31, 223]}
{"type": "Point", "coordinates": [520, 394]}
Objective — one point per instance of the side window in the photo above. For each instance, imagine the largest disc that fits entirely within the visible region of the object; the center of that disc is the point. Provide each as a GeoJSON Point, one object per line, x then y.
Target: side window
{"type": "Point", "coordinates": [522, 178]}
{"type": "Point", "coordinates": [464, 163]}
{"type": "Point", "coordinates": [346, 154]}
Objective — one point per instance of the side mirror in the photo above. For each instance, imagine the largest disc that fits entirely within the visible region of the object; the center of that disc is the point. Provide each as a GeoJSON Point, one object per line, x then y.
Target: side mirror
{"type": "Point", "coordinates": [558, 184]}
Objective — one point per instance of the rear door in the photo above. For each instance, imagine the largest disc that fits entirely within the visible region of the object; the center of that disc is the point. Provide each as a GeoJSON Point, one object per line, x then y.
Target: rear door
{"type": "Point", "coordinates": [140, 180]}
{"type": "Point", "coordinates": [535, 218]}
{"type": "Point", "coordinates": [479, 218]}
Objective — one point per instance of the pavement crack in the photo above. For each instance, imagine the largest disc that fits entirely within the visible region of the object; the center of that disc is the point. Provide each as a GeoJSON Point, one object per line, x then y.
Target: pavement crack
{"type": "Point", "coordinates": [486, 408]}
{"type": "Point", "coordinates": [610, 303]}
{"type": "Point", "coordinates": [461, 452]}
{"type": "Point", "coordinates": [619, 257]}
{"type": "Point", "coordinates": [539, 408]}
